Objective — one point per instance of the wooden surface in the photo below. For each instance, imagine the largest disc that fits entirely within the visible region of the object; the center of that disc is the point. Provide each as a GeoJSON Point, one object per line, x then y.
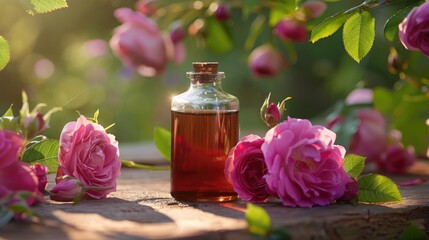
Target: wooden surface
{"type": "Point", "coordinates": [142, 208]}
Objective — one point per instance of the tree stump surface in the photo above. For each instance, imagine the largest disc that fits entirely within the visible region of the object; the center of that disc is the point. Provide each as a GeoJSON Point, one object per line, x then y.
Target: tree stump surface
{"type": "Point", "coordinates": [142, 208]}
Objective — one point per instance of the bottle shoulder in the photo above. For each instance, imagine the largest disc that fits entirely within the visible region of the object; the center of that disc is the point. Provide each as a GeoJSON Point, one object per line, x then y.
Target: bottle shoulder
{"type": "Point", "coordinates": [205, 99]}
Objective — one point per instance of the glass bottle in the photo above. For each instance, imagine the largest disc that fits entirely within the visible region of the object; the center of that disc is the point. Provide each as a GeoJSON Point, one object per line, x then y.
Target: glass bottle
{"type": "Point", "coordinates": [204, 124]}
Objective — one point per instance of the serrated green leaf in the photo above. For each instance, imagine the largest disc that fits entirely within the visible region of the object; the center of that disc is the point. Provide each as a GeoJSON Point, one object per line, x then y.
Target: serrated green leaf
{"type": "Point", "coordinates": [44, 152]}
{"type": "Point", "coordinates": [162, 139]}
{"type": "Point", "coordinates": [258, 220]}
{"type": "Point", "coordinates": [377, 188]}
{"type": "Point", "coordinates": [391, 26]}
{"type": "Point", "coordinates": [353, 165]}
{"type": "Point", "coordinates": [4, 53]}
{"type": "Point", "coordinates": [413, 232]}
{"type": "Point", "coordinates": [359, 34]}
{"type": "Point", "coordinates": [44, 6]}
{"type": "Point", "coordinates": [329, 26]}
{"type": "Point", "coordinates": [217, 38]}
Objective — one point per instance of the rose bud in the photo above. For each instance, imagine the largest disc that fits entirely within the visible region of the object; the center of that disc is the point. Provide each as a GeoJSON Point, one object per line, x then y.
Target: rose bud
{"type": "Point", "coordinates": [351, 191]}
{"type": "Point", "coordinates": [222, 12]}
{"type": "Point", "coordinates": [291, 30]}
{"type": "Point", "coordinates": [34, 125]}
{"type": "Point", "coordinates": [414, 29]}
{"type": "Point", "coordinates": [139, 43]}
{"type": "Point", "coordinates": [265, 61]}
{"type": "Point", "coordinates": [271, 113]}
{"type": "Point", "coordinates": [147, 7]}
{"type": "Point", "coordinates": [313, 9]}
{"type": "Point", "coordinates": [396, 159]}
{"type": "Point", "coordinates": [67, 189]}
{"type": "Point", "coordinates": [41, 172]}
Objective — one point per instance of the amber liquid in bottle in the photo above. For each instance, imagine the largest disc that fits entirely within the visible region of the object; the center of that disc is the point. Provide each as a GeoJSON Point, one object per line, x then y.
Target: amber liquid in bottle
{"type": "Point", "coordinates": [200, 145]}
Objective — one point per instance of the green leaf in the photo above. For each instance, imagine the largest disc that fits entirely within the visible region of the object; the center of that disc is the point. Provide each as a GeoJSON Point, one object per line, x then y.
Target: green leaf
{"type": "Point", "coordinates": [346, 129]}
{"type": "Point", "coordinates": [162, 138]}
{"type": "Point", "coordinates": [353, 165]}
{"type": "Point", "coordinates": [44, 6]}
{"type": "Point", "coordinates": [217, 38]}
{"type": "Point", "coordinates": [413, 232]}
{"type": "Point", "coordinates": [255, 30]}
{"type": "Point", "coordinates": [9, 112]}
{"type": "Point", "coordinates": [281, 9]}
{"type": "Point", "coordinates": [5, 216]}
{"type": "Point", "coordinates": [377, 188]}
{"type": "Point", "coordinates": [4, 53]}
{"type": "Point", "coordinates": [248, 6]}
{"type": "Point", "coordinates": [329, 26]}
{"type": "Point", "coordinates": [44, 152]}
{"type": "Point", "coordinates": [279, 234]}
{"type": "Point", "coordinates": [391, 26]}
{"type": "Point", "coordinates": [258, 220]}
{"type": "Point", "coordinates": [133, 164]}
{"type": "Point", "coordinates": [359, 34]}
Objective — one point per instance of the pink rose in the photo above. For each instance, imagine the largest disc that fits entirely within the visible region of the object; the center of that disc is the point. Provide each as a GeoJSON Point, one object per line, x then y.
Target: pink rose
{"type": "Point", "coordinates": [41, 172]}
{"type": "Point", "coordinates": [10, 147]}
{"type": "Point", "coordinates": [370, 137]}
{"type": "Point", "coordinates": [291, 30]}
{"type": "Point", "coordinates": [67, 190]}
{"type": "Point", "coordinates": [89, 154]}
{"type": "Point", "coordinates": [396, 159]}
{"type": "Point", "coordinates": [414, 29]}
{"type": "Point", "coordinates": [245, 169]}
{"type": "Point", "coordinates": [147, 7]}
{"type": "Point", "coordinates": [139, 43]}
{"type": "Point", "coordinates": [265, 61]}
{"type": "Point", "coordinates": [305, 168]}
{"type": "Point", "coordinates": [18, 176]}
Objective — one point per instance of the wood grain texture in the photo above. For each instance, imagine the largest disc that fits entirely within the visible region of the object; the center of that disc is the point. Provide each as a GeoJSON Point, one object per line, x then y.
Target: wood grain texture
{"type": "Point", "coordinates": [142, 208]}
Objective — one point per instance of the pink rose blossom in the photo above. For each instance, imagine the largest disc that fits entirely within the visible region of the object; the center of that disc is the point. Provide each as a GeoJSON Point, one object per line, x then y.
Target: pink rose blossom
{"type": "Point", "coordinates": [176, 49]}
{"type": "Point", "coordinates": [265, 61]}
{"type": "Point", "coordinates": [305, 168]}
{"type": "Point", "coordinates": [414, 29]}
{"type": "Point", "coordinates": [89, 154]}
{"type": "Point", "coordinates": [67, 190]}
{"type": "Point", "coordinates": [245, 169]}
{"type": "Point", "coordinates": [41, 172]}
{"type": "Point", "coordinates": [396, 159]}
{"type": "Point", "coordinates": [18, 176]}
{"type": "Point", "coordinates": [10, 146]}
{"type": "Point", "coordinates": [139, 43]}
{"type": "Point", "coordinates": [370, 137]}
{"type": "Point", "coordinates": [291, 30]}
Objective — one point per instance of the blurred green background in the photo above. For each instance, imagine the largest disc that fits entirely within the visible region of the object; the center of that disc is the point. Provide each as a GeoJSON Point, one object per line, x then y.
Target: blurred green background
{"type": "Point", "coordinates": [63, 59]}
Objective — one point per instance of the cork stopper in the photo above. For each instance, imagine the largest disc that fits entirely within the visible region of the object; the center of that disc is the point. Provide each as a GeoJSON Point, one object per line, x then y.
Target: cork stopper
{"type": "Point", "coordinates": [205, 72]}
{"type": "Point", "coordinates": [205, 67]}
